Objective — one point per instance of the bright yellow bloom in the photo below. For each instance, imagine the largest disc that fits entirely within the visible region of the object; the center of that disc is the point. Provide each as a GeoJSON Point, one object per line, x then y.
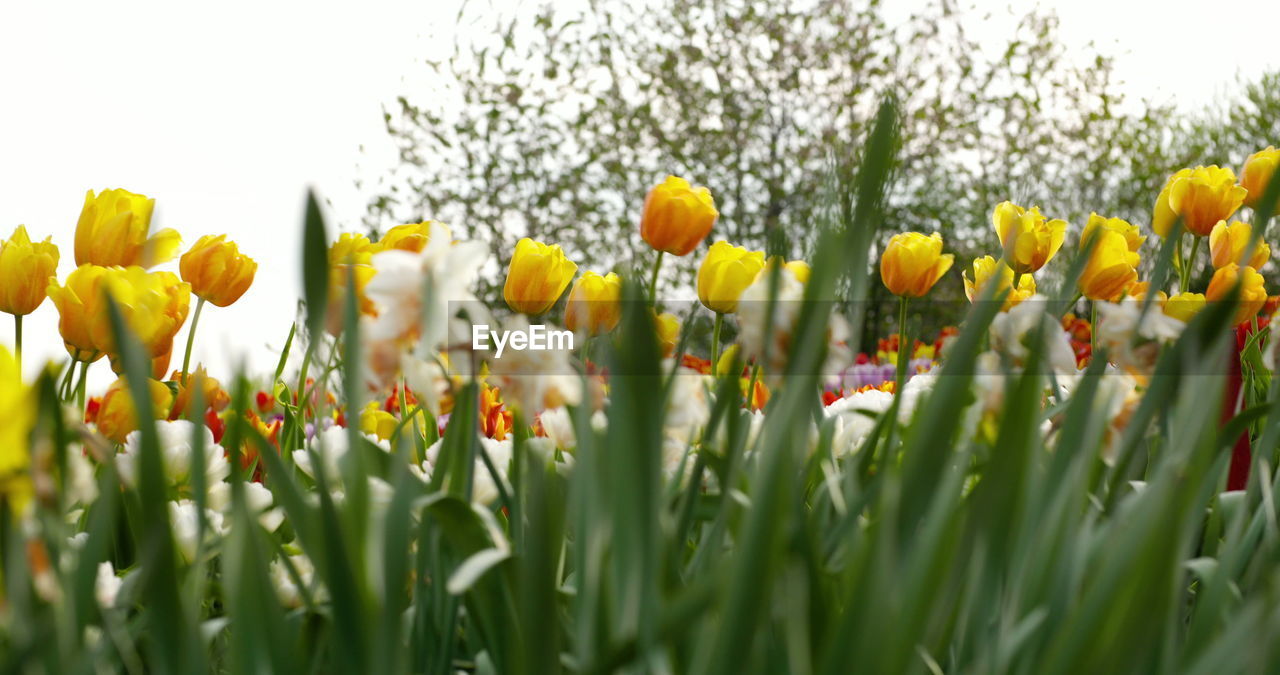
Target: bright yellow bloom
{"type": "Point", "coordinates": [1253, 295]}
{"type": "Point", "coordinates": [349, 262]}
{"type": "Point", "coordinates": [1201, 196]}
{"type": "Point", "coordinates": [1257, 173]}
{"type": "Point", "coordinates": [217, 270]}
{"type": "Point", "coordinates": [80, 304]}
{"type": "Point", "coordinates": [1112, 268]}
{"type": "Point", "coordinates": [351, 248]}
{"type": "Point", "coordinates": [117, 416]}
{"type": "Point", "coordinates": [25, 270]}
{"type": "Point", "coordinates": [800, 269]}
{"type": "Point", "coordinates": [1227, 245]}
{"type": "Point", "coordinates": [376, 421]}
{"type": "Point", "coordinates": [677, 216]}
{"type": "Point", "coordinates": [113, 230]}
{"type": "Point", "coordinates": [537, 277]}
{"type": "Point", "coordinates": [412, 237]}
{"type": "Point", "coordinates": [18, 410]}
{"type": "Point", "coordinates": [154, 306]}
{"type": "Point", "coordinates": [1184, 306]}
{"type": "Point", "coordinates": [986, 269]}
{"type": "Point", "coordinates": [725, 274]}
{"type": "Point", "coordinates": [913, 262]}
{"type": "Point", "coordinates": [1132, 235]}
{"type": "Point", "coordinates": [1029, 241]}
{"type": "Point", "coordinates": [594, 303]}
{"type": "Point", "coordinates": [667, 326]}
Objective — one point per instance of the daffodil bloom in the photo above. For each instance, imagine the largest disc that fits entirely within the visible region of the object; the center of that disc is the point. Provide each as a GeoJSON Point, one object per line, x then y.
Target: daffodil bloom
{"type": "Point", "coordinates": [1227, 244]}
{"type": "Point", "coordinates": [1201, 197]}
{"type": "Point", "coordinates": [594, 303]}
{"type": "Point", "coordinates": [412, 237]}
{"type": "Point", "coordinates": [1253, 295]}
{"type": "Point", "coordinates": [115, 229]}
{"type": "Point", "coordinates": [117, 416]}
{"type": "Point", "coordinates": [217, 271]}
{"type": "Point", "coordinates": [1028, 239]}
{"type": "Point", "coordinates": [537, 277]}
{"type": "Point", "coordinates": [912, 263]}
{"type": "Point", "coordinates": [1112, 267]}
{"type": "Point", "coordinates": [1132, 235]}
{"type": "Point", "coordinates": [989, 270]}
{"type": "Point", "coordinates": [79, 302]}
{"type": "Point", "coordinates": [677, 216]}
{"type": "Point", "coordinates": [18, 410]}
{"type": "Point", "coordinates": [1184, 306]}
{"type": "Point", "coordinates": [725, 273]}
{"type": "Point", "coordinates": [1258, 171]}
{"type": "Point", "coordinates": [25, 270]}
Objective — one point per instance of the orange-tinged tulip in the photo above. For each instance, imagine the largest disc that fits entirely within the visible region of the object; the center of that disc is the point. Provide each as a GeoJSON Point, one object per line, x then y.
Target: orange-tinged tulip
{"type": "Point", "coordinates": [594, 303]}
{"type": "Point", "coordinates": [725, 273]}
{"type": "Point", "coordinates": [986, 270]}
{"type": "Point", "coordinates": [214, 395]}
{"type": "Point", "coordinates": [154, 305]}
{"type": "Point", "coordinates": [80, 304]}
{"type": "Point", "coordinates": [1111, 269]}
{"type": "Point", "coordinates": [1253, 295]}
{"type": "Point", "coordinates": [1227, 244]}
{"type": "Point", "coordinates": [117, 416]}
{"type": "Point", "coordinates": [217, 271]}
{"type": "Point", "coordinates": [412, 237]}
{"type": "Point", "coordinates": [1028, 239]}
{"type": "Point", "coordinates": [1258, 171]}
{"type": "Point", "coordinates": [537, 276]}
{"type": "Point", "coordinates": [677, 216]}
{"type": "Point", "coordinates": [25, 270]}
{"type": "Point", "coordinates": [913, 262]}
{"type": "Point", "coordinates": [1132, 235]}
{"type": "Point", "coordinates": [667, 326]}
{"type": "Point", "coordinates": [1201, 196]}
{"type": "Point", "coordinates": [113, 230]}
{"type": "Point", "coordinates": [1184, 306]}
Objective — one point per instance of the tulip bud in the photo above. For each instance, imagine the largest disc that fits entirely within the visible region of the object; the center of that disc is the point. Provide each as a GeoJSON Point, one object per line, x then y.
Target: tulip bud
{"type": "Point", "coordinates": [25, 270]}
{"type": "Point", "coordinates": [667, 326]}
{"type": "Point", "coordinates": [1029, 241]}
{"type": "Point", "coordinates": [1227, 244]}
{"type": "Point", "coordinates": [80, 303]}
{"type": "Point", "coordinates": [1201, 197]}
{"type": "Point", "coordinates": [113, 229]}
{"type": "Point", "coordinates": [154, 305]}
{"type": "Point", "coordinates": [117, 416]}
{"type": "Point", "coordinates": [1257, 174]}
{"type": "Point", "coordinates": [1112, 267]}
{"type": "Point", "coordinates": [216, 270]}
{"type": "Point", "coordinates": [537, 276]}
{"type": "Point", "coordinates": [1132, 235]}
{"type": "Point", "coordinates": [412, 237]}
{"type": "Point", "coordinates": [1252, 296]}
{"type": "Point", "coordinates": [989, 270]}
{"type": "Point", "coordinates": [594, 303]}
{"type": "Point", "coordinates": [912, 263]}
{"type": "Point", "coordinates": [725, 274]}
{"type": "Point", "coordinates": [677, 216]}
{"type": "Point", "coordinates": [215, 397]}
{"type": "Point", "coordinates": [1184, 306]}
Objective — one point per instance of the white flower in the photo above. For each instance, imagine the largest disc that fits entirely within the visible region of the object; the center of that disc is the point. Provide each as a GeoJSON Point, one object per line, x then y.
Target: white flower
{"type": "Point", "coordinates": [331, 446]}
{"type": "Point", "coordinates": [687, 408]}
{"type": "Point", "coordinates": [534, 380]}
{"type": "Point", "coordinates": [257, 498]}
{"type": "Point", "coordinates": [286, 588]}
{"type": "Point", "coordinates": [184, 519]}
{"type": "Point", "coordinates": [483, 488]}
{"type": "Point", "coordinates": [175, 454]}
{"type": "Point", "coordinates": [753, 309]}
{"type": "Point", "coordinates": [106, 585]}
{"type": "Point", "coordinates": [558, 425]}
{"type": "Point", "coordinates": [1012, 330]}
{"type": "Point", "coordinates": [81, 487]}
{"type": "Point", "coordinates": [1133, 341]}
{"type": "Point", "coordinates": [855, 417]}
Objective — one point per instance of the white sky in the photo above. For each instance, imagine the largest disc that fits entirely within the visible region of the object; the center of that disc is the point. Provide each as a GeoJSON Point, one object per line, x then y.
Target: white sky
{"type": "Point", "coordinates": [226, 112]}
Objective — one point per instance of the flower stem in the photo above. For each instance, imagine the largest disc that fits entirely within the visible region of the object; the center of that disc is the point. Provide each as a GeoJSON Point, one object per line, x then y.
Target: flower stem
{"type": "Point", "coordinates": [715, 341]}
{"type": "Point", "coordinates": [17, 339]}
{"type": "Point", "coordinates": [653, 279]}
{"type": "Point", "coordinates": [191, 338]}
{"type": "Point", "coordinates": [904, 347]}
{"type": "Point", "coordinates": [84, 379]}
{"type": "Point", "coordinates": [1185, 279]}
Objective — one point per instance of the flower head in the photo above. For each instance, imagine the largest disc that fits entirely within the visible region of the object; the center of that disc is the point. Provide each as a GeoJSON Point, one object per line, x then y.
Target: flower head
{"type": "Point", "coordinates": [667, 326]}
{"type": "Point", "coordinates": [25, 270]}
{"type": "Point", "coordinates": [1184, 306]}
{"type": "Point", "coordinates": [594, 303]}
{"type": "Point", "coordinates": [989, 270]}
{"type": "Point", "coordinates": [113, 230]}
{"type": "Point", "coordinates": [411, 237]}
{"type": "Point", "coordinates": [1112, 267]}
{"type": "Point", "coordinates": [537, 276]}
{"type": "Point", "coordinates": [154, 305]}
{"type": "Point", "coordinates": [1252, 295]}
{"type": "Point", "coordinates": [677, 216]}
{"type": "Point", "coordinates": [80, 304]}
{"type": "Point", "coordinates": [1132, 235]}
{"type": "Point", "coordinates": [216, 270]}
{"type": "Point", "coordinates": [117, 416]}
{"type": "Point", "coordinates": [18, 410]}
{"type": "Point", "coordinates": [1227, 244]}
{"type": "Point", "coordinates": [1257, 173]}
{"type": "Point", "coordinates": [1201, 197]}
{"type": "Point", "coordinates": [725, 273]}
{"type": "Point", "coordinates": [913, 262]}
{"type": "Point", "coordinates": [1028, 239]}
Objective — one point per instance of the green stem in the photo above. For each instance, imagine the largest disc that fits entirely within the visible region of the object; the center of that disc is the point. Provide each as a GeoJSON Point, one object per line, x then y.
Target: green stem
{"type": "Point", "coordinates": [653, 279]}
{"type": "Point", "coordinates": [191, 338]}
{"type": "Point", "coordinates": [904, 347]}
{"type": "Point", "coordinates": [64, 389]}
{"type": "Point", "coordinates": [715, 341]}
{"type": "Point", "coordinates": [1191, 260]}
{"type": "Point", "coordinates": [84, 379]}
{"type": "Point", "coordinates": [17, 338]}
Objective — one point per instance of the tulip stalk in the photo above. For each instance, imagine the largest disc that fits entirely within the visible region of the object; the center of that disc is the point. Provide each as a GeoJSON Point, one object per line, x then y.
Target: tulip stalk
{"type": "Point", "coordinates": [191, 338]}
{"type": "Point", "coordinates": [17, 340]}
{"type": "Point", "coordinates": [1185, 278]}
{"type": "Point", "coordinates": [715, 340]}
{"type": "Point", "coordinates": [653, 279]}
{"type": "Point", "coordinates": [904, 348]}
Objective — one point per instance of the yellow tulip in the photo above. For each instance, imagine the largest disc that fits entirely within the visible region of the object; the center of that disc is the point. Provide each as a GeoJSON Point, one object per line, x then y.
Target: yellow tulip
{"type": "Point", "coordinates": [117, 416]}
{"type": "Point", "coordinates": [913, 262]}
{"type": "Point", "coordinates": [800, 269]}
{"type": "Point", "coordinates": [80, 304]}
{"type": "Point", "coordinates": [154, 306]}
{"type": "Point", "coordinates": [216, 270]}
{"type": "Point", "coordinates": [677, 216]}
{"type": "Point", "coordinates": [1029, 241]}
{"type": "Point", "coordinates": [1111, 269]}
{"type": "Point", "coordinates": [667, 326]}
{"type": "Point", "coordinates": [412, 237]}
{"type": "Point", "coordinates": [380, 423]}
{"type": "Point", "coordinates": [184, 399]}
{"type": "Point", "coordinates": [1132, 235]}
{"type": "Point", "coordinates": [1253, 295]}
{"type": "Point", "coordinates": [1184, 306]}
{"type": "Point", "coordinates": [113, 230]}
{"type": "Point", "coordinates": [1201, 196]}
{"type": "Point", "coordinates": [537, 276]}
{"type": "Point", "coordinates": [725, 273]}
{"type": "Point", "coordinates": [987, 269]}
{"type": "Point", "coordinates": [1257, 174]}
{"type": "Point", "coordinates": [18, 410]}
{"type": "Point", "coordinates": [351, 248]}
{"type": "Point", "coordinates": [1227, 245]}
{"type": "Point", "coordinates": [594, 303]}
{"type": "Point", "coordinates": [25, 270]}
